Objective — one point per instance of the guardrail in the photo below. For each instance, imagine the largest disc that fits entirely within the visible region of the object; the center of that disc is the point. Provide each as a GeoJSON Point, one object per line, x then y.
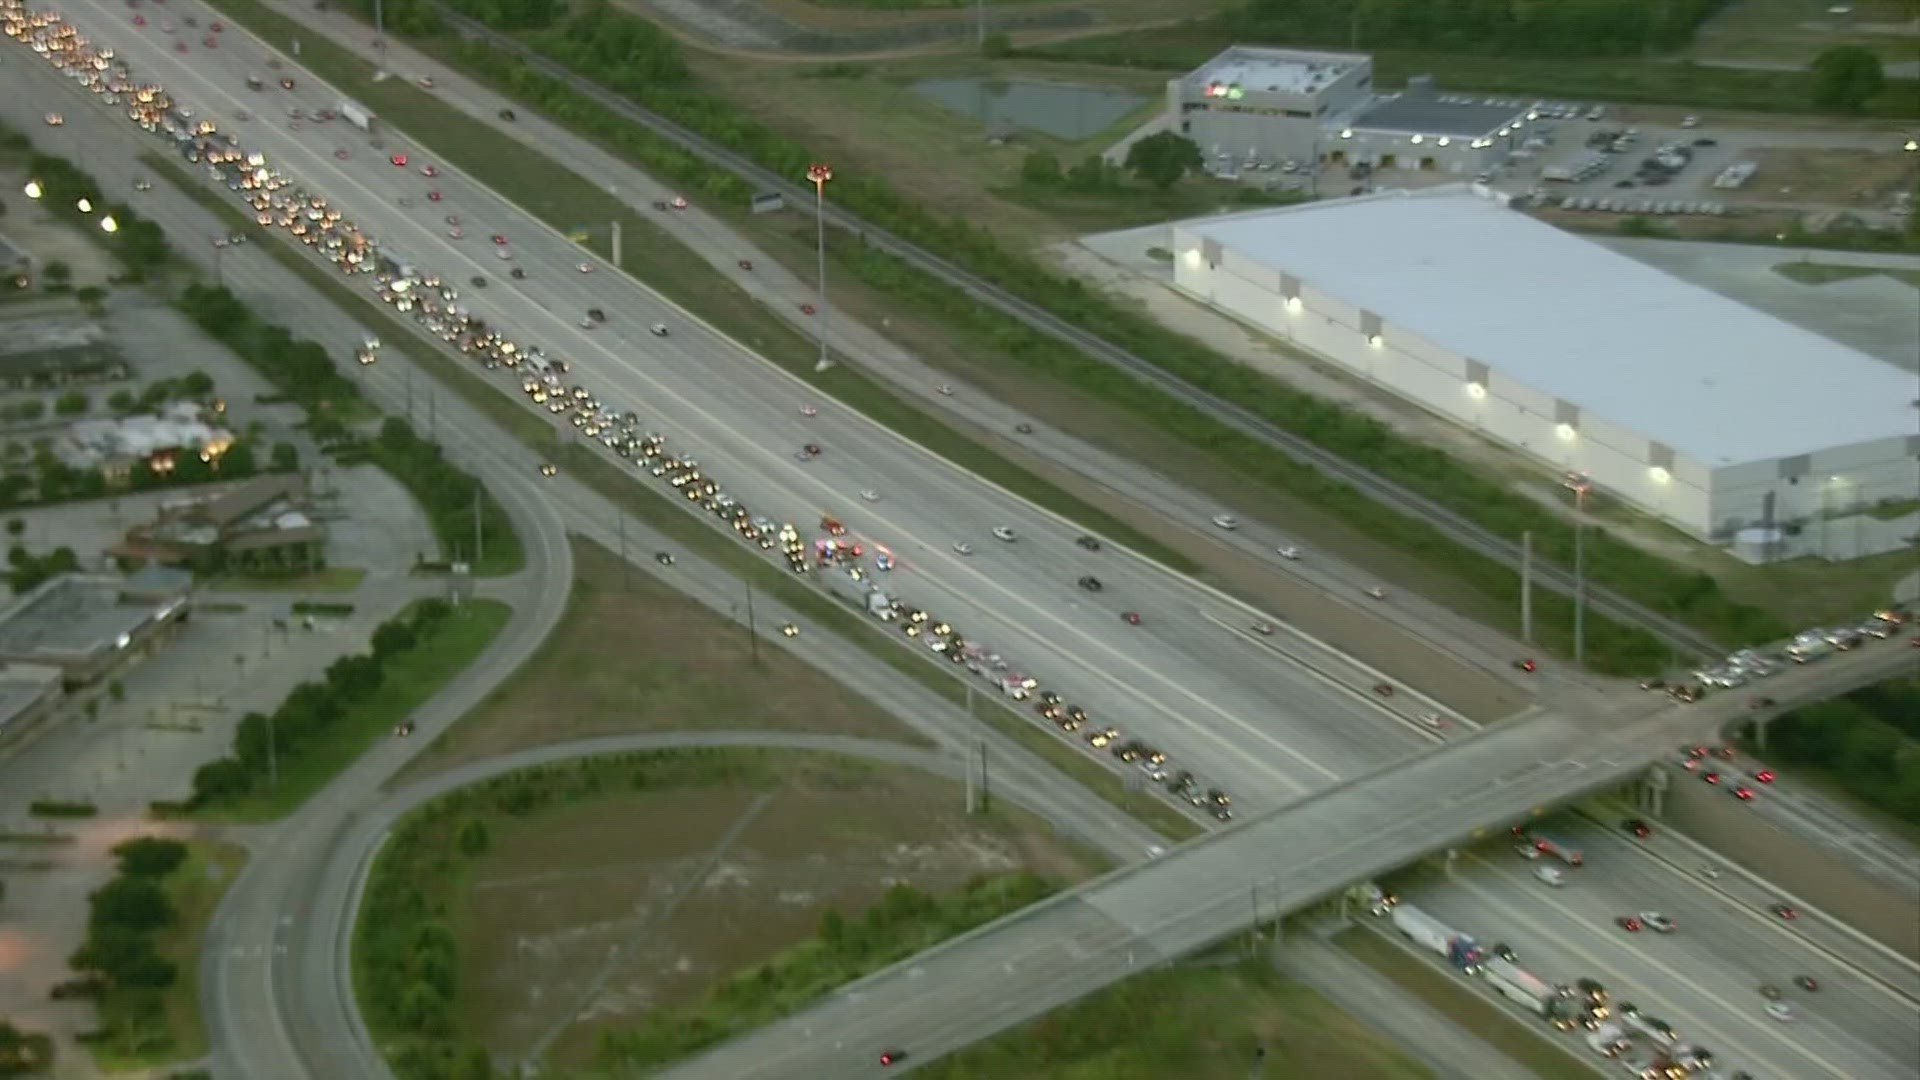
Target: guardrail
{"type": "Point", "coordinates": [1460, 529]}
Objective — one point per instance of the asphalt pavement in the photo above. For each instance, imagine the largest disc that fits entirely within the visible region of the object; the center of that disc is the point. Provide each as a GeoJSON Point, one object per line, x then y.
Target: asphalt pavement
{"type": "Point", "coordinates": [1187, 679]}
{"type": "Point", "coordinates": [1703, 978]}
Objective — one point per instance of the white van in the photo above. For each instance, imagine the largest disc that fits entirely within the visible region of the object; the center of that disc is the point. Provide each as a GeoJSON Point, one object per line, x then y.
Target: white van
{"type": "Point", "coordinates": [1552, 875]}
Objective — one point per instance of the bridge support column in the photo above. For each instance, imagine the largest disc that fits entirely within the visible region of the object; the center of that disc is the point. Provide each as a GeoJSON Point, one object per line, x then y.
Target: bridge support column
{"type": "Point", "coordinates": [1760, 733]}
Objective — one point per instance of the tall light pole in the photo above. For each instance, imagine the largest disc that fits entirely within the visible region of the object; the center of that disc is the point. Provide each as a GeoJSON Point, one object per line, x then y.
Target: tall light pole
{"type": "Point", "coordinates": [1579, 484]}
{"type": "Point", "coordinates": [820, 172]}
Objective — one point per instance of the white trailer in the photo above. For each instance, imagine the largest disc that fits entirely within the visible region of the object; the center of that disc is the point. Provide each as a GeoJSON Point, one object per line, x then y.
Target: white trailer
{"type": "Point", "coordinates": [1523, 988]}
{"type": "Point", "coordinates": [356, 114]}
{"type": "Point", "coordinates": [1435, 936]}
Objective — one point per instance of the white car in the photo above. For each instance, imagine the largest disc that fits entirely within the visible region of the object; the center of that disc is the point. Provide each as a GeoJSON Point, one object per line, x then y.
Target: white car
{"type": "Point", "coordinates": [1226, 521]}
{"type": "Point", "coordinates": [870, 495]}
{"type": "Point", "coordinates": [1289, 553]}
{"type": "Point", "coordinates": [586, 268]}
{"type": "Point", "coordinates": [1783, 1011]}
{"type": "Point", "coordinates": [963, 549]}
{"type": "Point", "coordinates": [1001, 532]}
{"type": "Point", "coordinates": [503, 254]}
{"type": "Point", "coordinates": [659, 329]}
{"type": "Point", "coordinates": [1658, 923]}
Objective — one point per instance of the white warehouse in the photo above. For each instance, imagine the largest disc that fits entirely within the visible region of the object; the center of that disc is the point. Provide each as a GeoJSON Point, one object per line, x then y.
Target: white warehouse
{"type": "Point", "coordinates": [1706, 413]}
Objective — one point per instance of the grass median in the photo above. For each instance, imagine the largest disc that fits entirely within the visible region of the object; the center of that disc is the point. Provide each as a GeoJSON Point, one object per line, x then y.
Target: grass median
{"type": "Point", "coordinates": [661, 512]}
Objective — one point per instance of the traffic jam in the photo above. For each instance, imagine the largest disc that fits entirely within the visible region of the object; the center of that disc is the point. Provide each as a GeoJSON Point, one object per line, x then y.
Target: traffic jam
{"type": "Point", "coordinates": [274, 200]}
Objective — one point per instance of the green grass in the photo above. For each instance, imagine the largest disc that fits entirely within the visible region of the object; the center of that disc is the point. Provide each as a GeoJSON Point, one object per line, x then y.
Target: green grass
{"type": "Point", "coordinates": [1191, 1022]}
{"type": "Point", "coordinates": [1532, 1047]}
{"type": "Point", "coordinates": [195, 888]}
{"type": "Point", "coordinates": [411, 678]}
{"type": "Point", "coordinates": [333, 579]}
{"type": "Point", "coordinates": [571, 203]}
{"type": "Point", "coordinates": [1813, 273]}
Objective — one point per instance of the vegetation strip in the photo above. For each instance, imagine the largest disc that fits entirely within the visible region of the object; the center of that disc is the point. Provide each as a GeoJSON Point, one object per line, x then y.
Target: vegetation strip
{"type": "Point", "coordinates": [407, 966]}
{"type": "Point", "coordinates": [670, 516]}
{"type": "Point", "coordinates": [280, 759]}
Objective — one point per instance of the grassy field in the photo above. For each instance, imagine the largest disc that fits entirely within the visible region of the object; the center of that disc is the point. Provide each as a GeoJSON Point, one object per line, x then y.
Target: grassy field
{"type": "Point", "coordinates": [1813, 273]}
{"type": "Point", "coordinates": [1192, 1022]}
{"type": "Point", "coordinates": [632, 654]}
{"type": "Point", "coordinates": [1533, 1048]}
{"type": "Point", "coordinates": [1797, 30]}
{"type": "Point", "coordinates": [761, 843]}
{"type": "Point", "coordinates": [195, 888]}
{"type": "Point", "coordinates": [411, 678]}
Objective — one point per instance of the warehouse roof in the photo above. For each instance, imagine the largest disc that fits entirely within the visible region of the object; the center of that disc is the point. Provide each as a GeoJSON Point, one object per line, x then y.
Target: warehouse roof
{"type": "Point", "coordinates": [1414, 113]}
{"type": "Point", "coordinates": [1713, 379]}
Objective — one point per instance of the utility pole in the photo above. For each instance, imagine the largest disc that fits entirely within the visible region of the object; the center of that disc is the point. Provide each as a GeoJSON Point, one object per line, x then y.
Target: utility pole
{"type": "Point", "coordinates": [409, 373]}
{"type": "Point", "coordinates": [1580, 590]}
{"type": "Point", "coordinates": [479, 549]}
{"type": "Point", "coordinates": [980, 22]}
{"type": "Point", "coordinates": [1526, 586]}
{"type": "Point", "coordinates": [753, 636]}
{"type": "Point", "coordinates": [273, 759]}
{"type": "Point", "coordinates": [616, 244]}
{"type": "Point", "coordinates": [819, 173]}
{"type": "Point", "coordinates": [969, 771]}
{"type": "Point", "coordinates": [986, 785]}
{"type": "Point", "coordinates": [433, 430]}
{"type": "Point", "coordinates": [626, 575]}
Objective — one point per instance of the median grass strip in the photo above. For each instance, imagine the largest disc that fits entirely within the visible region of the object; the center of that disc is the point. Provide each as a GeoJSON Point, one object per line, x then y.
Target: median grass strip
{"type": "Point", "coordinates": [1535, 1048]}
{"type": "Point", "coordinates": [661, 512]}
{"type": "Point", "coordinates": [579, 207]}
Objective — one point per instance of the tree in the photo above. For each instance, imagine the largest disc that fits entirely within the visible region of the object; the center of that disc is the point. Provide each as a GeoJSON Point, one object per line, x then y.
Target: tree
{"type": "Point", "coordinates": [56, 272]}
{"type": "Point", "coordinates": [1040, 167]}
{"type": "Point", "coordinates": [1845, 78]}
{"type": "Point", "coordinates": [197, 383]}
{"type": "Point", "coordinates": [16, 526]}
{"type": "Point", "coordinates": [71, 403]}
{"type": "Point", "coordinates": [391, 638]}
{"type": "Point", "coordinates": [121, 401]}
{"type": "Point", "coordinates": [1162, 159]}
{"type": "Point", "coordinates": [473, 838]}
{"type": "Point", "coordinates": [132, 903]}
{"type": "Point", "coordinates": [285, 458]}
{"type": "Point", "coordinates": [150, 856]}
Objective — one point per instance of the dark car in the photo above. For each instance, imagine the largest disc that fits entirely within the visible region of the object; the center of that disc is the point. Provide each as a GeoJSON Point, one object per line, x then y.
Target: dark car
{"type": "Point", "coordinates": [596, 314]}
{"type": "Point", "coordinates": [1089, 543]}
{"type": "Point", "coordinates": [664, 558]}
{"type": "Point", "coordinates": [507, 114]}
{"type": "Point", "coordinates": [1091, 583]}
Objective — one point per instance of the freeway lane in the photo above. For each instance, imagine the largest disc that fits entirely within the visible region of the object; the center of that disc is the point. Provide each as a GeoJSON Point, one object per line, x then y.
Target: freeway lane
{"type": "Point", "coordinates": [1385, 491]}
{"type": "Point", "coordinates": [1058, 951]}
{"type": "Point", "coordinates": [1703, 978]}
{"type": "Point", "coordinates": [1255, 724]}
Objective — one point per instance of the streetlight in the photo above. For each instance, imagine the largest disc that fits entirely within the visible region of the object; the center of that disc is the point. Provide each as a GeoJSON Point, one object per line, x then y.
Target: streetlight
{"type": "Point", "coordinates": [33, 189]}
{"type": "Point", "coordinates": [84, 204]}
{"type": "Point", "coordinates": [820, 172]}
{"type": "Point", "coordinates": [1579, 484]}
{"type": "Point", "coordinates": [108, 225]}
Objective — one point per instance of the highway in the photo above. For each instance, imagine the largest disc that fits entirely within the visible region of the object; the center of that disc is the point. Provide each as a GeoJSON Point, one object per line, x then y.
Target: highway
{"type": "Point", "coordinates": [1189, 679]}
{"type": "Point", "coordinates": [1704, 978]}
{"type": "Point", "coordinates": [1300, 450]}
{"type": "Point", "coordinates": [522, 468]}
{"type": "Point", "coordinates": [1060, 950]}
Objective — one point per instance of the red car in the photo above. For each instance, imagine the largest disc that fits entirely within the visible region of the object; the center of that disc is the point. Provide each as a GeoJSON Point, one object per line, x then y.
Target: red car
{"type": "Point", "coordinates": [1629, 923]}
{"type": "Point", "coordinates": [1526, 665]}
{"type": "Point", "coordinates": [1710, 777]}
{"type": "Point", "coordinates": [1742, 792]}
{"type": "Point", "coordinates": [1765, 776]}
{"type": "Point", "coordinates": [1691, 764]}
{"type": "Point", "coordinates": [139, 20]}
{"type": "Point", "coordinates": [499, 239]}
{"type": "Point", "coordinates": [217, 27]}
{"type": "Point", "coordinates": [429, 171]}
{"type": "Point", "coordinates": [433, 196]}
{"type": "Point", "coordinates": [1785, 911]}
{"type": "Point", "coordinates": [399, 160]}
{"type": "Point", "coordinates": [1132, 617]}
{"type": "Point", "coordinates": [807, 309]}
{"type": "Point", "coordinates": [1637, 827]}
{"type": "Point", "coordinates": [210, 41]}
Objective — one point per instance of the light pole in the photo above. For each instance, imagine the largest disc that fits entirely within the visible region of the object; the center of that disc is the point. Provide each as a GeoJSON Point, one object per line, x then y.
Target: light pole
{"type": "Point", "coordinates": [820, 173]}
{"type": "Point", "coordinates": [1579, 484]}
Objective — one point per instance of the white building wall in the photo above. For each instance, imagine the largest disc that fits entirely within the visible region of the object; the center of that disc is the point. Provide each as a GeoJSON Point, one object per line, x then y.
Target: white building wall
{"type": "Point", "coordinates": [1834, 482]}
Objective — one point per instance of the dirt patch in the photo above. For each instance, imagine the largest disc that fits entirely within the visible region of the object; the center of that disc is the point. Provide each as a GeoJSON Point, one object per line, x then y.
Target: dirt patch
{"type": "Point", "coordinates": [1831, 176]}
{"type": "Point", "coordinates": [567, 923]}
{"type": "Point", "coordinates": [631, 654]}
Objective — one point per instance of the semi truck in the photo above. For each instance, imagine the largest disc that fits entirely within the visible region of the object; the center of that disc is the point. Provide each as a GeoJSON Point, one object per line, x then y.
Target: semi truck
{"type": "Point", "coordinates": [1529, 991]}
{"type": "Point", "coordinates": [860, 593]}
{"type": "Point", "coordinates": [1560, 849]}
{"type": "Point", "coordinates": [356, 114]}
{"type": "Point", "coordinates": [1436, 937]}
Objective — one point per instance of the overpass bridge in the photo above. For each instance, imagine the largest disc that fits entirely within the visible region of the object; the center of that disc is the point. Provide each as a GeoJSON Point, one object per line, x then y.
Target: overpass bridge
{"type": "Point", "coordinates": [1073, 944]}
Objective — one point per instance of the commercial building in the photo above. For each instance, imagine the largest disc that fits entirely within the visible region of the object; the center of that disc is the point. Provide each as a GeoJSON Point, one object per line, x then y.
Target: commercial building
{"type": "Point", "coordinates": [84, 625]}
{"type": "Point", "coordinates": [1252, 108]}
{"type": "Point", "coordinates": [27, 693]}
{"type": "Point", "coordinates": [46, 354]}
{"type": "Point", "coordinates": [262, 525]}
{"type": "Point", "coordinates": [116, 446]}
{"type": "Point", "coordinates": [1699, 410]}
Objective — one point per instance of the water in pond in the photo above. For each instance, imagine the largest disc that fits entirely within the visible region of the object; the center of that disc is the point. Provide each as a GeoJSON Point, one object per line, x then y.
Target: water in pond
{"type": "Point", "coordinates": [1062, 110]}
